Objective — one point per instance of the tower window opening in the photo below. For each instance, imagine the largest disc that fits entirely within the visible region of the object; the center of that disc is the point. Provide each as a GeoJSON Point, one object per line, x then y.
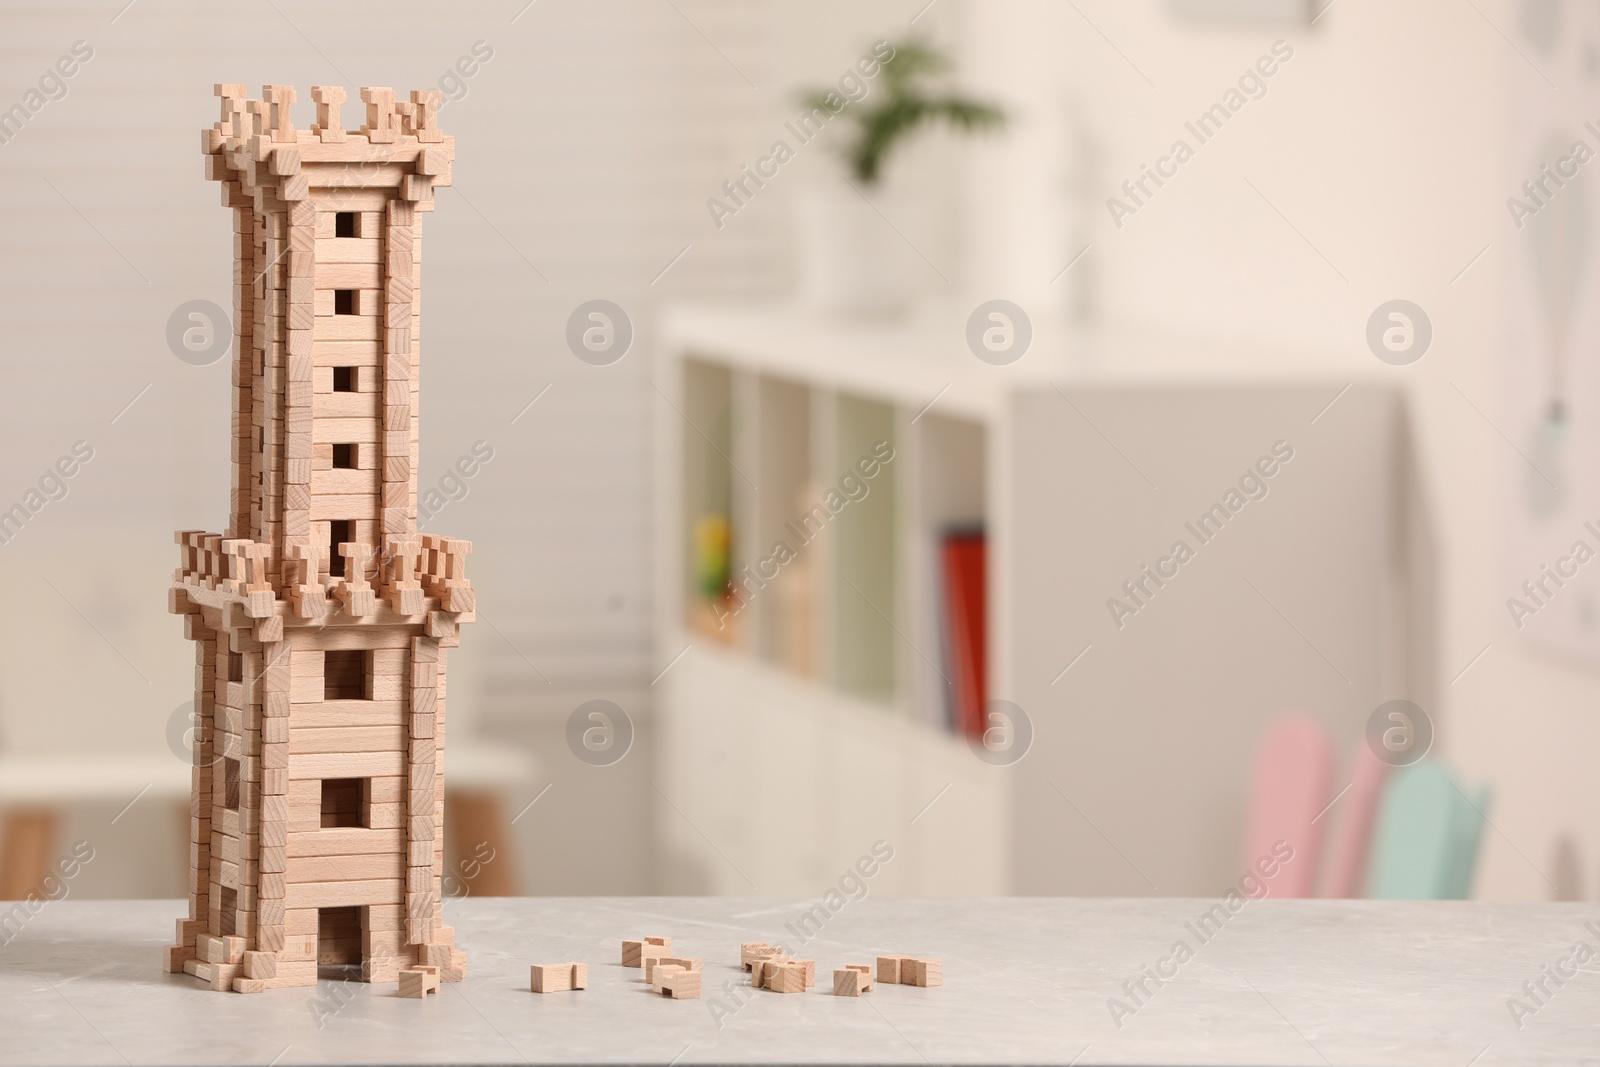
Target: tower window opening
{"type": "Point", "coordinates": [339, 532]}
{"type": "Point", "coordinates": [346, 674]}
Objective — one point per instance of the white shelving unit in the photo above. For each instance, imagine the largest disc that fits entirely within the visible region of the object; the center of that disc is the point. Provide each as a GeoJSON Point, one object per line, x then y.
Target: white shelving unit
{"type": "Point", "coordinates": [817, 726]}
{"type": "Point", "coordinates": [814, 725]}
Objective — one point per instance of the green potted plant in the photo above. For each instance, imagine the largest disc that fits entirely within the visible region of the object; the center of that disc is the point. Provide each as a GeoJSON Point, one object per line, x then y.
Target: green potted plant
{"type": "Point", "coordinates": [848, 251]}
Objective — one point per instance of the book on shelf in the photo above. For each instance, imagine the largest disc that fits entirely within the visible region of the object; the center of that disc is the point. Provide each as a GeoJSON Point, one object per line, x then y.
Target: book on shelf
{"type": "Point", "coordinates": [965, 627]}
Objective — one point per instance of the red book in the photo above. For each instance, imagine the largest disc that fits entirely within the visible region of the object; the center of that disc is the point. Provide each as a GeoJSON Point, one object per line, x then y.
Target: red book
{"type": "Point", "coordinates": [966, 628]}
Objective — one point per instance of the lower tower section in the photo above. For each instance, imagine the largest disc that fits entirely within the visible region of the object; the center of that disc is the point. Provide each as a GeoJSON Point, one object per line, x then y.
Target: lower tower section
{"type": "Point", "coordinates": [315, 844]}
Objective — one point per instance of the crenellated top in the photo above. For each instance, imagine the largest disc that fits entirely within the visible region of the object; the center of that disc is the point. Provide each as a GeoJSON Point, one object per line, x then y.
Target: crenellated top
{"type": "Point", "coordinates": [421, 574]}
{"type": "Point", "coordinates": [399, 145]}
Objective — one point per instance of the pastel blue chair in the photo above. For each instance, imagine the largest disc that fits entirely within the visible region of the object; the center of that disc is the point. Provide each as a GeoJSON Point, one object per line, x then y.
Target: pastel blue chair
{"type": "Point", "coordinates": [1428, 835]}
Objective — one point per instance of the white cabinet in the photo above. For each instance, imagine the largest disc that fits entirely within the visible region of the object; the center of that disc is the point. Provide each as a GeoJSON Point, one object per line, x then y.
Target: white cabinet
{"type": "Point", "coordinates": [812, 724]}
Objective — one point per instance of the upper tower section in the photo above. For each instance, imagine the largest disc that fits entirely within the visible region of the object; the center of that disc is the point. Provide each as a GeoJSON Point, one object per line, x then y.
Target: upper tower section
{"type": "Point", "coordinates": [327, 275]}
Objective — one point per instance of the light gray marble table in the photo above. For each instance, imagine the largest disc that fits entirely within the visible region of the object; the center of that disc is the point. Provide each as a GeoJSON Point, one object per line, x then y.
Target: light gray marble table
{"type": "Point", "coordinates": [1026, 980]}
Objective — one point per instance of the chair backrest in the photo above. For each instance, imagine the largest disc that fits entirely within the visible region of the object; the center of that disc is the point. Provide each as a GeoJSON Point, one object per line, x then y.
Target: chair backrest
{"type": "Point", "coordinates": [1428, 835]}
{"type": "Point", "coordinates": [1293, 783]}
{"type": "Point", "coordinates": [1352, 818]}
{"type": "Point", "coordinates": [1467, 834]}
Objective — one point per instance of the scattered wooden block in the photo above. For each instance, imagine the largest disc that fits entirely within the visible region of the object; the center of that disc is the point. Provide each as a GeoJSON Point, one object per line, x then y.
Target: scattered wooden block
{"type": "Point", "coordinates": [660, 974]}
{"type": "Point", "coordinates": [889, 968]}
{"type": "Point", "coordinates": [681, 984]}
{"type": "Point", "coordinates": [676, 981]}
{"type": "Point", "coordinates": [786, 977]}
{"type": "Point", "coordinates": [418, 982]}
{"type": "Point", "coordinates": [783, 975]}
{"type": "Point", "coordinates": [910, 970]}
{"type": "Point", "coordinates": [558, 977]}
{"type": "Point", "coordinates": [688, 963]}
{"type": "Point", "coordinates": [759, 968]}
{"type": "Point", "coordinates": [852, 980]}
{"type": "Point", "coordinates": [634, 952]}
{"type": "Point", "coordinates": [749, 951]}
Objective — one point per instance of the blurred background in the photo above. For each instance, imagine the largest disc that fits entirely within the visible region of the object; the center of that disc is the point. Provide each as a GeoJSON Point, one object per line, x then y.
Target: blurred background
{"type": "Point", "coordinates": [849, 521]}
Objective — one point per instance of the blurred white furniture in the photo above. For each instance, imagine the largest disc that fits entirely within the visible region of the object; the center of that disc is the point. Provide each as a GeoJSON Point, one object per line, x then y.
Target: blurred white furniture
{"type": "Point", "coordinates": [36, 788]}
{"type": "Point", "coordinates": [482, 776]}
{"type": "Point", "coordinates": [785, 755]}
{"type": "Point", "coordinates": [812, 726]}
{"type": "Point", "coordinates": [1315, 598]}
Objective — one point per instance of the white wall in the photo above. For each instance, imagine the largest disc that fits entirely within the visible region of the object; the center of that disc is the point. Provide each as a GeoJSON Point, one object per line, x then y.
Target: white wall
{"type": "Point", "coordinates": [586, 145]}
{"type": "Point", "coordinates": [1383, 141]}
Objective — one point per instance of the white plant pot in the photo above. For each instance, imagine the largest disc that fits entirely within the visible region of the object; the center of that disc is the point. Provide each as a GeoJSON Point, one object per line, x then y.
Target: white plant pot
{"type": "Point", "coordinates": [851, 259]}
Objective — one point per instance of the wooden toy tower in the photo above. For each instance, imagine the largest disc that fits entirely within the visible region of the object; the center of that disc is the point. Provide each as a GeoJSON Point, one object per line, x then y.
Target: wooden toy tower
{"type": "Point", "coordinates": [321, 620]}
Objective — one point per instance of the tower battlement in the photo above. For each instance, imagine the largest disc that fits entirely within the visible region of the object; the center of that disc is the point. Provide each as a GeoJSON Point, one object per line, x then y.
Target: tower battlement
{"type": "Point", "coordinates": [321, 618]}
{"type": "Point", "coordinates": [395, 130]}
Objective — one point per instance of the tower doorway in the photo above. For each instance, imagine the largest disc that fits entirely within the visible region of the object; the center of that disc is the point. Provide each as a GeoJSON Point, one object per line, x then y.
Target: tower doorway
{"type": "Point", "coordinates": [339, 938]}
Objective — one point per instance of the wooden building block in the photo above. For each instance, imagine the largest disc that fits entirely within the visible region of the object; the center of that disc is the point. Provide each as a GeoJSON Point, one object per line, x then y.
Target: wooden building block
{"type": "Point", "coordinates": [327, 127]}
{"type": "Point", "coordinates": [558, 977]}
{"type": "Point", "coordinates": [889, 969]}
{"type": "Point", "coordinates": [227, 949]}
{"type": "Point", "coordinates": [852, 981]}
{"type": "Point", "coordinates": [781, 974]}
{"type": "Point", "coordinates": [689, 963]}
{"type": "Point", "coordinates": [810, 968]}
{"type": "Point", "coordinates": [922, 971]}
{"type": "Point", "coordinates": [418, 982]}
{"type": "Point", "coordinates": [634, 952]}
{"type": "Point", "coordinates": [380, 126]}
{"type": "Point", "coordinates": [679, 983]}
{"type": "Point", "coordinates": [761, 968]}
{"type": "Point", "coordinates": [786, 977]}
{"type": "Point", "coordinates": [222, 976]}
{"type": "Point", "coordinates": [660, 974]}
{"type": "Point", "coordinates": [260, 965]}
{"type": "Point", "coordinates": [750, 951]}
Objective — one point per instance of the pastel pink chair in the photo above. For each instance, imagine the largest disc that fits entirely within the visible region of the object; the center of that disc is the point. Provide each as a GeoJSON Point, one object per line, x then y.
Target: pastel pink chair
{"type": "Point", "coordinates": [1353, 818]}
{"type": "Point", "coordinates": [1292, 785]}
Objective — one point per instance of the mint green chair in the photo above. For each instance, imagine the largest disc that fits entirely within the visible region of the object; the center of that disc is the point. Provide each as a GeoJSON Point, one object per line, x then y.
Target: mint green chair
{"type": "Point", "coordinates": [1429, 832]}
